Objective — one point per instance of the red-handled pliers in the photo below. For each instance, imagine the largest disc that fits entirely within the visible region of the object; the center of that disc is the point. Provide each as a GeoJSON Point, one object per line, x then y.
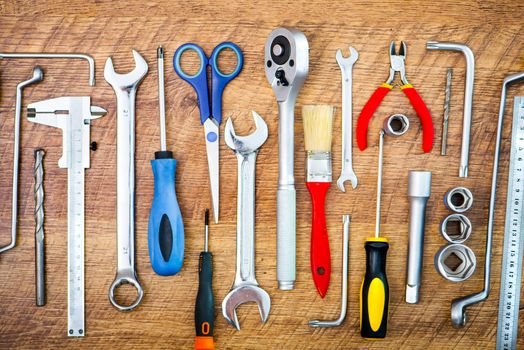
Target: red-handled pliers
{"type": "Point", "coordinates": [397, 65]}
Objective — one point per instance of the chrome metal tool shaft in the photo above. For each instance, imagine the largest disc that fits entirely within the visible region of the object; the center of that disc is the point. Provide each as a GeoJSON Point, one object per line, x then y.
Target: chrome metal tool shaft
{"type": "Point", "coordinates": [39, 227]}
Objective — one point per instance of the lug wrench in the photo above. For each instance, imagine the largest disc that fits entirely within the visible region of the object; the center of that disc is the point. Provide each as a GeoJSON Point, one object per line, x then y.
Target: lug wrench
{"type": "Point", "coordinates": [346, 67]}
{"type": "Point", "coordinates": [346, 219]}
{"type": "Point", "coordinates": [125, 86]}
{"type": "Point", "coordinates": [38, 75]}
{"type": "Point", "coordinates": [246, 288]}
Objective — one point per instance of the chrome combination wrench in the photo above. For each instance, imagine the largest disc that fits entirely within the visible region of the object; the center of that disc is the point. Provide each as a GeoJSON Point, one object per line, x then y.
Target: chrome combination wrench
{"type": "Point", "coordinates": [125, 86]}
{"type": "Point", "coordinates": [346, 67]}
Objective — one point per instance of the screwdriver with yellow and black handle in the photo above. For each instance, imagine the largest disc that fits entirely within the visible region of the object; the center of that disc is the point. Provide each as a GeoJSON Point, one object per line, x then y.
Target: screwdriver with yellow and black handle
{"type": "Point", "coordinates": [374, 292]}
{"type": "Point", "coordinates": [205, 303]}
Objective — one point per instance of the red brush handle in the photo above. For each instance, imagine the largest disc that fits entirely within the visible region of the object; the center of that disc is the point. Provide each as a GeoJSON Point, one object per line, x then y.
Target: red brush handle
{"type": "Point", "coordinates": [367, 112]}
{"type": "Point", "coordinates": [320, 256]}
{"type": "Point", "coordinates": [423, 114]}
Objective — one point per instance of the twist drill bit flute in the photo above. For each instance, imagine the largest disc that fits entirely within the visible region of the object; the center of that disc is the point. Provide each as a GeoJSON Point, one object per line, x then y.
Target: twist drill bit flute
{"type": "Point", "coordinates": [39, 227]}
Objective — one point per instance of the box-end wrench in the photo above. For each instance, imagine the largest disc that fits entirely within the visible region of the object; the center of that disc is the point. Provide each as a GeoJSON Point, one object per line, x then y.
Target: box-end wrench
{"type": "Point", "coordinates": [245, 288]}
{"type": "Point", "coordinates": [125, 86]}
{"type": "Point", "coordinates": [346, 67]}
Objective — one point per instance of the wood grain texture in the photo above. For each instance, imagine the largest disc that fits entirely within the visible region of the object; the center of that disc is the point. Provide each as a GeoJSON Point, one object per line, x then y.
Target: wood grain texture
{"type": "Point", "coordinates": [491, 28]}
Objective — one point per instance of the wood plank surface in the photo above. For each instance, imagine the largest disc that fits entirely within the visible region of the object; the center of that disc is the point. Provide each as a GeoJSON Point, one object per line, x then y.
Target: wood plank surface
{"type": "Point", "coordinates": [493, 30]}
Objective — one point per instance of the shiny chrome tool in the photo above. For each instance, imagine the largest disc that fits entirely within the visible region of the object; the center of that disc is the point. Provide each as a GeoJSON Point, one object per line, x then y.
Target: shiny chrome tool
{"type": "Point", "coordinates": [346, 219]}
{"type": "Point", "coordinates": [287, 65]}
{"type": "Point", "coordinates": [73, 115]}
{"type": "Point", "coordinates": [459, 305]}
{"type": "Point", "coordinates": [396, 125]}
{"type": "Point", "coordinates": [445, 120]}
{"type": "Point", "coordinates": [125, 86]}
{"type": "Point", "coordinates": [38, 75]}
{"type": "Point", "coordinates": [462, 266]}
{"type": "Point", "coordinates": [346, 67]}
{"type": "Point", "coordinates": [245, 288]}
{"type": "Point", "coordinates": [39, 227]}
{"type": "Point", "coordinates": [458, 199]}
{"type": "Point", "coordinates": [468, 96]}
{"type": "Point", "coordinates": [419, 190]}
{"type": "Point", "coordinates": [82, 56]}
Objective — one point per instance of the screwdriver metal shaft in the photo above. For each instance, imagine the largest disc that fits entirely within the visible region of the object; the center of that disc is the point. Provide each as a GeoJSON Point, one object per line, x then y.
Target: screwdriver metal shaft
{"type": "Point", "coordinates": [39, 227]}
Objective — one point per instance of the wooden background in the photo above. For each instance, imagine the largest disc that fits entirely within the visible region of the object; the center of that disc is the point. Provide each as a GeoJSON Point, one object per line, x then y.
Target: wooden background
{"type": "Point", "coordinates": [493, 29]}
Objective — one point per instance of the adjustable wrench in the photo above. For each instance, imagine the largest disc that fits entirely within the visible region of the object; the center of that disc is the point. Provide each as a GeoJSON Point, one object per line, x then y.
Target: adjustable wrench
{"type": "Point", "coordinates": [246, 288]}
{"type": "Point", "coordinates": [346, 67]}
{"type": "Point", "coordinates": [125, 86]}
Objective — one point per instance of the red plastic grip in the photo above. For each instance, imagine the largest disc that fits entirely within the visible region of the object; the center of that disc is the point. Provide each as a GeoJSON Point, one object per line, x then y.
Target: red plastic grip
{"type": "Point", "coordinates": [367, 112]}
{"type": "Point", "coordinates": [319, 251]}
{"type": "Point", "coordinates": [422, 110]}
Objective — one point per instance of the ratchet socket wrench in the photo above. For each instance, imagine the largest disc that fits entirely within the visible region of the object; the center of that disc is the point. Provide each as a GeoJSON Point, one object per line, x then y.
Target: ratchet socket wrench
{"type": "Point", "coordinates": [419, 190]}
{"type": "Point", "coordinates": [287, 65]}
{"type": "Point", "coordinates": [125, 86]}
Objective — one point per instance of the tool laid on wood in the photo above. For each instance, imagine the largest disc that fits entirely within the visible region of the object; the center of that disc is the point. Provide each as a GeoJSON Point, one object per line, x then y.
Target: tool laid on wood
{"type": "Point", "coordinates": [511, 274]}
{"type": "Point", "coordinates": [374, 291]}
{"type": "Point", "coordinates": [210, 110]}
{"type": "Point", "coordinates": [38, 75]}
{"type": "Point", "coordinates": [445, 120]}
{"type": "Point", "coordinates": [459, 305]}
{"type": "Point", "coordinates": [318, 125]}
{"type": "Point", "coordinates": [468, 96]}
{"type": "Point", "coordinates": [286, 55]}
{"type": "Point", "coordinates": [89, 59]}
{"type": "Point", "coordinates": [419, 190]}
{"type": "Point", "coordinates": [205, 302]}
{"type": "Point", "coordinates": [346, 67]}
{"type": "Point", "coordinates": [346, 219]}
{"type": "Point", "coordinates": [73, 115]}
{"type": "Point", "coordinates": [245, 288]}
{"type": "Point", "coordinates": [39, 227]}
{"type": "Point", "coordinates": [398, 64]}
{"type": "Point", "coordinates": [125, 86]}
{"type": "Point", "coordinates": [166, 229]}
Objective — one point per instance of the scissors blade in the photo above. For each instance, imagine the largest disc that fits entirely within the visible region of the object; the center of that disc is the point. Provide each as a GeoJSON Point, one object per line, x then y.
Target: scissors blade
{"type": "Point", "coordinates": [211, 129]}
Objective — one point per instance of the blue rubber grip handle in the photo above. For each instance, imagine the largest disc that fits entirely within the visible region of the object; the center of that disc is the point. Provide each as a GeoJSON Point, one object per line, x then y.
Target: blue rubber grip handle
{"type": "Point", "coordinates": [197, 80]}
{"type": "Point", "coordinates": [219, 80]}
{"type": "Point", "coordinates": [166, 229]}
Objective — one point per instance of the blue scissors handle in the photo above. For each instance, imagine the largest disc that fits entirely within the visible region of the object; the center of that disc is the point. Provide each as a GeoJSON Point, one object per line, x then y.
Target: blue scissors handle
{"type": "Point", "coordinates": [197, 80]}
{"type": "Point", "coordinates": [219, 80]}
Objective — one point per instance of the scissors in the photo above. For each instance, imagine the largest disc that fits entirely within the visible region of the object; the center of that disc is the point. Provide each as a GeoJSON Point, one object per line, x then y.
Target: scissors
{"type": "Point", "coordinates": [210, 110]}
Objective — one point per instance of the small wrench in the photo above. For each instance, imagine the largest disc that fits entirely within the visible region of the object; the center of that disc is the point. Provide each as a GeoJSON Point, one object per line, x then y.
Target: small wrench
{"type": "Point", "coordinates": [346, 67]}
{"type": "Point", "coordinates": [125, 86]}
{"type": "Point", "coordinates": [246, 288]}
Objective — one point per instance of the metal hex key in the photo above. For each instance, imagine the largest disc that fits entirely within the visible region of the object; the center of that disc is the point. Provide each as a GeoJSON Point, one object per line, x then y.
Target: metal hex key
{"type": "Point", "coordinates": [346, 219]}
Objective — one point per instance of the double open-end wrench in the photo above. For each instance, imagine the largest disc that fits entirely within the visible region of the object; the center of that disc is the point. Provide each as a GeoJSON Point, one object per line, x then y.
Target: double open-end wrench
{"type": "Point", "coordinates": [125, 86]}
{"type": "Point", "coordinates": [346, 67]}
{"type": "Point", "coordinates": [246, 288]}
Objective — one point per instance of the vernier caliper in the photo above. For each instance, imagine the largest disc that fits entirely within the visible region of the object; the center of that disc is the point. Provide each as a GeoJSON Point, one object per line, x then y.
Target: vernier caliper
{"type": "Point", "coordinates": [73, 115]}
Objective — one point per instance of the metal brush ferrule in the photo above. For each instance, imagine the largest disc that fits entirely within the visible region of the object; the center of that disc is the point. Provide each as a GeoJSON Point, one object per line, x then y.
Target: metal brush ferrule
{"type": "Point", "coordinates": [318, 167]}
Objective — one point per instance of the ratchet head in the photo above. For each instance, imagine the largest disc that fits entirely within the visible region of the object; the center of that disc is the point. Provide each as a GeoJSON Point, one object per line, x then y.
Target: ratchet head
{"type": "Point", "coordinates": [129, 80]}
{"type": "Point", "coordinates": [250, 143]}
{"type": "Point", "coordinates": [245, 294]}
{"type": "Point", "coordinates": [287, 62]}
{"type": "Point", "coordinates": [347, 62]}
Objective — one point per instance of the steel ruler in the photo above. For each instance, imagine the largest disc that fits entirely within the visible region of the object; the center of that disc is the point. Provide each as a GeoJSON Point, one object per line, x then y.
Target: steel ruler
{"type": "Point", "coordinates": [509, 302]}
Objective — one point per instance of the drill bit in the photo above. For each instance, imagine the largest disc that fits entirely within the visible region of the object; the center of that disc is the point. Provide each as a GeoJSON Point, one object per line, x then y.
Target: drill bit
{"type": "Point", "coordinates": [39, 227]}
{"type": "Point", "coordinates": [447, 101]}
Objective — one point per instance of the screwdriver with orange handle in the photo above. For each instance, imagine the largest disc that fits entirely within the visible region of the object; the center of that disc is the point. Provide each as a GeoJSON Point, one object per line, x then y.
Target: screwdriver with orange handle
{"type": "Point", "coordinates": [374, 292]}
{"type": "Point", "coordinates": [205, 303]}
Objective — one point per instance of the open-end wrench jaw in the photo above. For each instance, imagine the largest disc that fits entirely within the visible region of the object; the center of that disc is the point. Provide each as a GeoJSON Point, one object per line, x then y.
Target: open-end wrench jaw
{"type": "Point", "coordinates": [249, 143]}
{"type": "Point", "coordinates": [347, 62]}
{"type": "Point", "coordinates": [128, 80]}
{"type": "Point", "coordinates": [245, 294]}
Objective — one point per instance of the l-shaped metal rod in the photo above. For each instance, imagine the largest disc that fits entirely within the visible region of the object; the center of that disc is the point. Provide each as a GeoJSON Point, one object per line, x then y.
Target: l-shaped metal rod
{"type": "Point", "coordinates": [468, 96]}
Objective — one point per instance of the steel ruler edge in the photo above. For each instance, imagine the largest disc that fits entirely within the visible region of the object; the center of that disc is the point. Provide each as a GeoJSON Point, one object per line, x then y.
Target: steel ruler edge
{"type": "Point", "coordinates": [511, 272]}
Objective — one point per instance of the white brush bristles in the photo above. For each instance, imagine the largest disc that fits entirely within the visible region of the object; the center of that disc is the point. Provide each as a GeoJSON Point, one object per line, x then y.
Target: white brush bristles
{"type": "Point", "coordinates": [318, 127]}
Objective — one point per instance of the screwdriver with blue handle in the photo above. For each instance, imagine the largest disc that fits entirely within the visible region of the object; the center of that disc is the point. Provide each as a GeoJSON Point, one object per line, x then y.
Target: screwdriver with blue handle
{"type": "Point", "coordinates": [374, 291]}
{"type": "Point", "coordinates": [205, 302]}
{"type": "Point", "coordinates": [166, 229]}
